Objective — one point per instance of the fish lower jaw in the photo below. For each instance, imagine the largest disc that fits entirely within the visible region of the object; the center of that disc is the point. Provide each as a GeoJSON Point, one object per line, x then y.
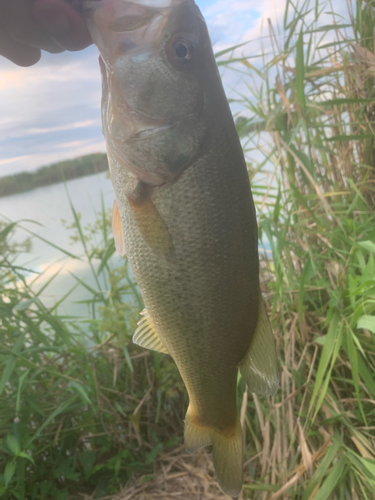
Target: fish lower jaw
{"type": "Point", "coordinates": [147, 132]}
{"type": "Point", "coordinates": [147, 177]}
{"type": "Point", "coordinates": [162, 4]}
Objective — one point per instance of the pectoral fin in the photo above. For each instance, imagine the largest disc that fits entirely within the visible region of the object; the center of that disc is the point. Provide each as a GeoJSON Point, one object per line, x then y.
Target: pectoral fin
{"type": "Point", "coordinates": [150, 223]}
{"type": "Point", "coordinates": [118, 234]}
{"type": "Point", "coordinates": [260, 367]}
{"type": "Point", "coordinates": [146, 335]}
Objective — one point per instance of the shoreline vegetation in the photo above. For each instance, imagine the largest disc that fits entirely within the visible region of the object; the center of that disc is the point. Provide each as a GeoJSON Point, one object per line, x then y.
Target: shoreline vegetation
{"type": "Point", "coordinates": [85, 412]}
{"type": "Point", "coordinates": [53, 174]}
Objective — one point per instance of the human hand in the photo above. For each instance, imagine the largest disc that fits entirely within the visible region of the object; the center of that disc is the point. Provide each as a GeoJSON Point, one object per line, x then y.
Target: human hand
{"type": "Point", "coordinates": [27, 26]}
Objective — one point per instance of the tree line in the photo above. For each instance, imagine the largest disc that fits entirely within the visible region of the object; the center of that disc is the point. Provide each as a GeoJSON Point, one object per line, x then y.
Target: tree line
{"type": "Point", "coordinates": [52, 174]}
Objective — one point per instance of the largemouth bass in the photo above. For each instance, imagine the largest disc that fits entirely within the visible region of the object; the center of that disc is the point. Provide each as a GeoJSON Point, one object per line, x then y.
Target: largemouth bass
{"type": "Point", "coordinates": [184, 213]}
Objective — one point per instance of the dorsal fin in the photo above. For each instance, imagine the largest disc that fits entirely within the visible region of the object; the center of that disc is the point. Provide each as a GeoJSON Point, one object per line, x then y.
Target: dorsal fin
{"type": "Point", "coordinates": [260, 366]}
{"type": "Point", "coordinates": [118, 234]}
{"type": "Point", "coordinates": [146, 336]}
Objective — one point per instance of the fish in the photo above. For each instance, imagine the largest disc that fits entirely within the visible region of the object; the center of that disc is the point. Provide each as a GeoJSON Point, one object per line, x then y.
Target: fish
{"type": "Point", "coordinates": [184, 214]}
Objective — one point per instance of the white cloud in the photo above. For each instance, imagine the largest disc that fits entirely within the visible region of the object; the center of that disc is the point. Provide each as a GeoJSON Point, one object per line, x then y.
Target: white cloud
{"type": "Point", "coordinates": [60, 128]}
{"type": "Point", "coordinates": [82, 145]}
{"type": "Point", "coordinates": [43, 74]}
{"type": "Point", "coordinates": [14, 160]}
{"type": "Point", "coordinates": [50, 155]}
{"type": "Point", "coordinates": [15, 131]}
{"type": "Point", "coordinates": [51, 111]}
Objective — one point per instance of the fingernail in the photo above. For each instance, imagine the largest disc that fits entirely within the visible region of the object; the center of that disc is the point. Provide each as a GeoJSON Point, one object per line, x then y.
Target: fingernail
{"type": "Point", "coordinates": [56, 25]}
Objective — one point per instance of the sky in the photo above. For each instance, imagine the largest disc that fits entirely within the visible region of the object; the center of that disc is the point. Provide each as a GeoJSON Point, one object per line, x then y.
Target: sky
{"type": "Point", "coordinates": [51, 111]}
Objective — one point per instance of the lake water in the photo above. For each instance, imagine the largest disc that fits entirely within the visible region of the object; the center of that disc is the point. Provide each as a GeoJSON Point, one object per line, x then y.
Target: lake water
{"type": "Point", "coordinates": [48, 206]}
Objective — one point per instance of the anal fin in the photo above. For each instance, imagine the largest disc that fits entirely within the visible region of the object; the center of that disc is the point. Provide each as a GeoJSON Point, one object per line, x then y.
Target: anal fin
{"type": "Point", "coordinates": [260, 366]}
{"type": "Point", "coordinates": [146, 335]}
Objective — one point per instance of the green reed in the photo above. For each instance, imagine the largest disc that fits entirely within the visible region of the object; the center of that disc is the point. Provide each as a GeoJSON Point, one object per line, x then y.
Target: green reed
{"type": "Point", "coordinates": [309, 133]}
{"type": "Point", "coordinates": [80, 404]}
{"type": "Point", "coordinates": [83, 409]}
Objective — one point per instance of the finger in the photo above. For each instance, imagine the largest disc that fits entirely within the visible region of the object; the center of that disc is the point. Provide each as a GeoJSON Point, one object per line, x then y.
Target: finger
{"type": "Point", "coordinates": [64, 23]}
{"type": "Point", "coordinates": [19, 25]}
{"type": "Point", "coordinates": [17, 52]}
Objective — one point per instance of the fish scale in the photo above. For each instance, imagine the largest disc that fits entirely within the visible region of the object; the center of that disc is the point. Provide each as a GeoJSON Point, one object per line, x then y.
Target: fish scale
{"type": "Point", "coordinates": [184, 214]}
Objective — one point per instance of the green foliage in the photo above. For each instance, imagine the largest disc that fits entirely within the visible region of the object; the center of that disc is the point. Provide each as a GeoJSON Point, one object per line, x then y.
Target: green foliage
{"type": "Point", "coordinates": [82, 408]}
{"type": "Point", "coordinates": [6, 246]}
{"type": "Point", "coordinates": [79, 402]}
{"type": "Point", "coordinates": [69, 169]}
{"type": "Point", "coordinates": [312, 120]}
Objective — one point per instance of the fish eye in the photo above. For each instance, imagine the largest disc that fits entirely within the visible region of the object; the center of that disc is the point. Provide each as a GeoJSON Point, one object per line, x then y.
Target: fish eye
{"type": "Point", "coordinates": [184, 51]}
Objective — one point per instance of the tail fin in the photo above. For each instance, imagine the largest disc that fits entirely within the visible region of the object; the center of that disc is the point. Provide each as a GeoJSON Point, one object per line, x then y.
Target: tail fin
{"type": "Point", "coordinates": [227, 447]}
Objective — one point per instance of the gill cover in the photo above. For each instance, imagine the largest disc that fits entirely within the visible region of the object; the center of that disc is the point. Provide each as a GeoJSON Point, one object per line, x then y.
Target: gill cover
{"type": "Point", "coordinates": [153, 94]}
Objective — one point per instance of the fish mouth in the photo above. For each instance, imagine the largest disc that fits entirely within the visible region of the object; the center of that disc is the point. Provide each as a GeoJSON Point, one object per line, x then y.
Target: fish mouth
{"type": "Point", "coordinates": [118, 25]}
{"type": "Point", "coordinates": [157, 4]}
{"type": "Point", "coordinates": [150, 131]}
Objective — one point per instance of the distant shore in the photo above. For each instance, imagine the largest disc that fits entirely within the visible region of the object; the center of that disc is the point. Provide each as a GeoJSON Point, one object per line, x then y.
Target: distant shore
{"type": "Point", "coordinates": [52, 174]}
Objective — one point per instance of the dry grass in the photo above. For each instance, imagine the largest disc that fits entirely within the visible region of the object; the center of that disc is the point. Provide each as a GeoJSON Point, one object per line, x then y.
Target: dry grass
{"type": "Point", "coordinates": [177, 476]}
{"type": "Point", "coordinates": [312, 118]}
